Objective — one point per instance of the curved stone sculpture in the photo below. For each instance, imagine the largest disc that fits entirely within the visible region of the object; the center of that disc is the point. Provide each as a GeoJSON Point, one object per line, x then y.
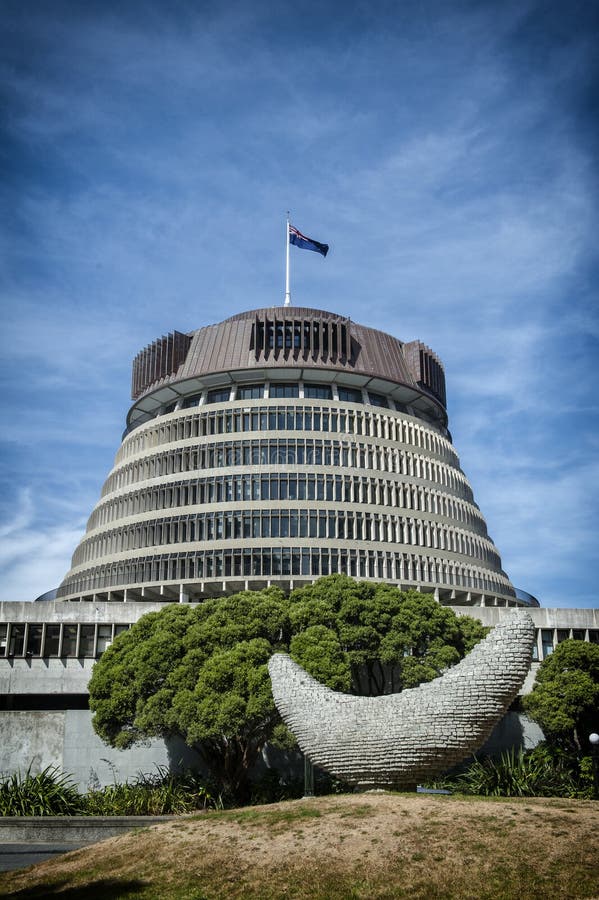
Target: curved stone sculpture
{"type": "Point", "coordinates": [397, 740]}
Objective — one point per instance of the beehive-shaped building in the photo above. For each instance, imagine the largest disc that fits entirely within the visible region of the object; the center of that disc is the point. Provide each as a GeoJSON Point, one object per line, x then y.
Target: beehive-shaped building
{"type": "Point", "coordinates": [278, 446]}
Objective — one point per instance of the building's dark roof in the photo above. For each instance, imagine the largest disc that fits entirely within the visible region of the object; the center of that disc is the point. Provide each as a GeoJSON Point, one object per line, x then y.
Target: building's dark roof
{"type": "Point", "coordinates": [284, 337]}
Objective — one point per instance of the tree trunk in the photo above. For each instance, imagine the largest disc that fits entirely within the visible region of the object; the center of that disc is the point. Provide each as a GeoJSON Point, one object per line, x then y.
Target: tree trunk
{"type": "Point", "coordinates": [229, 762]}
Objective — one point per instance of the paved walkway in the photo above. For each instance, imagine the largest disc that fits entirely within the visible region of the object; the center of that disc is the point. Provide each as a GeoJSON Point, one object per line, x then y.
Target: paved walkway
{"type": "Point", "coordinates": [18, 856]}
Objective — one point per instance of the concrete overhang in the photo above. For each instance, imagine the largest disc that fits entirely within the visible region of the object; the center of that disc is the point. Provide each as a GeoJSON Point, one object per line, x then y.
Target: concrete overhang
{"type": "Point", "coordinates": [151, 404]}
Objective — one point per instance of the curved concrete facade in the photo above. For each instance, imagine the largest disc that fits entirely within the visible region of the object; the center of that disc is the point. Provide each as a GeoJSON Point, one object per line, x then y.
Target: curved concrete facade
{"type": "Point", "coordinates": [278, 446]}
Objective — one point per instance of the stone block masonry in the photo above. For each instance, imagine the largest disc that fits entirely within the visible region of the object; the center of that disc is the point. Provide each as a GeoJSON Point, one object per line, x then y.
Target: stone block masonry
{"type": "Point", "coordinates": [398, 740]}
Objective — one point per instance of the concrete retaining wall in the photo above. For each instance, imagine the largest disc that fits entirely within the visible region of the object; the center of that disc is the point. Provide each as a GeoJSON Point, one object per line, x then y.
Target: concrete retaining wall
{"type": "Point", "coordinates": [72, 829]}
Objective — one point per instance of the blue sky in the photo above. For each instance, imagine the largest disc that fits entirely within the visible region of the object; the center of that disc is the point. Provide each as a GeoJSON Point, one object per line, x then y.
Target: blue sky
{"type": "Point", "coordinates": [447, 151]}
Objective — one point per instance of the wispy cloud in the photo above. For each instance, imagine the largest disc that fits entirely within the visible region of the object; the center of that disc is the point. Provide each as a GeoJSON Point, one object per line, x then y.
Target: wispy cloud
{"type": "Point", "coordinates": [32, 559]}
{"type": "Point", "coordinates": [447, 153]}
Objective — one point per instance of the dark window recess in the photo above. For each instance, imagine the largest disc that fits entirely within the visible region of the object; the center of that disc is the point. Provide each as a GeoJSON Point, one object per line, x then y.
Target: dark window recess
{"type": "Point", "coordinates": [52, 642]}
{"type": "Point", "coordinates": [34, 640]}
{"type": "Point", "coordinates": [86, 641]}
{"type": "Point", "coordinates": [378, 400]}
{"type": "Point", "coordinates": [547, 641]}
{"type": "Point", "coordinates": [250, 392]}
{"type": "Point", "coordinates": [350, 395]}
{"type": "Point", "coordinates": [318, 391]}
{"type": "Point", "coordinates": [283, 390]}
{"type": "Point", "coordinates": [43, 701]}
{"type": "Point", "coordinates": [192, 401]}
{"type": "Point", "coordinates": [218, 396]}
{"type": "Point", "coordinates": [69, 640]}
{"type": "Point", "coordinates": [17, 640]}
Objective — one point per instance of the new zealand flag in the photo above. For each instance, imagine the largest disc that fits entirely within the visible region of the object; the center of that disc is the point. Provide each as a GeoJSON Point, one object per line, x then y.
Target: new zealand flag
{"type": "Point", "coordinates": [306, 243]}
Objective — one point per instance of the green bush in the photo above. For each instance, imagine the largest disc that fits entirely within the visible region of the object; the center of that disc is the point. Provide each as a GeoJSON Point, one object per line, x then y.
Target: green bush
{"type": "Point", "coordinates": [157, 794]}
{"type": "Point", "coordinates": [52, 793]}
{"type": "Point", "coordinates": [540, 772]}
{"type": "Point", "coordinates": [49, 793]}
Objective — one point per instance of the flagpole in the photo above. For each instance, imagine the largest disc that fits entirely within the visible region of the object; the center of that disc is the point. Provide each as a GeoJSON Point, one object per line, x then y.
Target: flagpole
{"type": "Point", "coordinates": [287, 292]}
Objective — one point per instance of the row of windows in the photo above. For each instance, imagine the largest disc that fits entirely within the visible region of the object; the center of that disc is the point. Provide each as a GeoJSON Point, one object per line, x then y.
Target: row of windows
{"type": "Point", "coordinates": [273, 452]}
{"type": "Point", "coordinates": [240, 488]}
{"type": "Point", "coordinates": [276, 561]}
{"type": "Point", "coordinates": [548, 639]}
{"type": "Point", "coordinates": [59, 640]}
{"type": "Point", "coordinates": [288, 418]}
{"type": "Point", "coordinates": [90, 641]}
{"type": "Point", "coordinates": [287, 391]}
{"type": "Point", "coordinates": [287, 523]}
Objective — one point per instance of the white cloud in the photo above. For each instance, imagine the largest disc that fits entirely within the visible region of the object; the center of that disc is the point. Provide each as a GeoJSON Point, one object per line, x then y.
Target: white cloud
{"type": "Point", "coordinates": [34, 558]}
{"type": "Point", "coordinates": [447, 172]}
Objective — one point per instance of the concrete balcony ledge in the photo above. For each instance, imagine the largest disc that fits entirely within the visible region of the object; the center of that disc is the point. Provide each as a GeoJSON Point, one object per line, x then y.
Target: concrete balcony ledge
{"type": "Point", "coordinates": [71, 829]}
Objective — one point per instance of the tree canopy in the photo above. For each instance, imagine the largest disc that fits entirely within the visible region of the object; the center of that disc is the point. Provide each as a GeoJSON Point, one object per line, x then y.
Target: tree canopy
{"type": "Point", "coordinates": [565, 697]}
{"type": "Point", "coordinates": [378, 639]}
{"type": "Point", "coordinates": [201, 671]}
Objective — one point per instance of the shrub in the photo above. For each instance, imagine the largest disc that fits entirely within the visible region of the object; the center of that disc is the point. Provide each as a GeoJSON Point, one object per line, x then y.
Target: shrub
{"type": "Point", "coordinates": [540, 772]}
{"type": "Point", "coordinates": [157, 794]}
{"type": "Point", "coordinates": [49, 793]}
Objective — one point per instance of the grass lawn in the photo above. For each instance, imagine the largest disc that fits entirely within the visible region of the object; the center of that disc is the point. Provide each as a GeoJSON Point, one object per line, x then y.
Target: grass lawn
{"type": "Point", "coordinates": [355, 846]}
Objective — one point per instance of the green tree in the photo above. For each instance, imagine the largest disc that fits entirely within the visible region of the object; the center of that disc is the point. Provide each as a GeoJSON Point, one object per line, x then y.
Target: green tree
{"type": "Point", "coordinates": [565, 697]}
{"type": "Point", "coordinates": [378, 638]}
{"type": "Point", "coordinates": [201, 672]}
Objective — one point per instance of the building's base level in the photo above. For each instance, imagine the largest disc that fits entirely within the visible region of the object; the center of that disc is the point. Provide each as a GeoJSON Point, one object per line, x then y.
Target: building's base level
{"type": "Point", "coordinates": [65, 739]}
{"type": "Point", "coordinates": [172, 592]}
{"type": "Point", "coordinates": [47, 651]}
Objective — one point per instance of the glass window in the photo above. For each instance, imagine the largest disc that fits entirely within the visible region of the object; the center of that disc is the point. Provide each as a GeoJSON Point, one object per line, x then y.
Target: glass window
{"type": "Point", "coordinates": [220, 395]}
{"type": "Point", "coordinates": [318, 391]}
{"type": "Point", "coordinates": [250, 392]}
{"type": "Point", "coordinates": [69, 640]}
{"type": "Point", "coordinates": [118, 629]}
{"type": "Point", "coordinates": [191, 401]}
{"type": "Point", "coordinates": [52, 641]}
{"type": "Point", "coordinates": [350, 395]}
{"type": "Point", "coordinates": [578, 634]}
{"type": "Point", "coordinates": [593, 636]}
{"type": "Point", "coordinates": [3, 631]}
{"type": "Point", "coordinates": [283, 390]}
{"type": "Point", "coordinates": [286, 561]}
{"type": "Point", "coordinates": [34, 640]}
{"type": "Point", "coordinates": [86, 641]}
{"type": "Point", "coordinates": [547, 641]}
{"type": "Point", "coordinates": [562, 635]}
{"type": "Point", "coordinates": [378, 399]}
{"type": "Point", "coordinates": [17, 640]}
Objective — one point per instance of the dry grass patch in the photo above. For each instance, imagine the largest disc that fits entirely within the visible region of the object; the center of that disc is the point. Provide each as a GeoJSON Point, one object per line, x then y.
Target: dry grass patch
{"type": "Point", "coordinates": [367, 846]}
